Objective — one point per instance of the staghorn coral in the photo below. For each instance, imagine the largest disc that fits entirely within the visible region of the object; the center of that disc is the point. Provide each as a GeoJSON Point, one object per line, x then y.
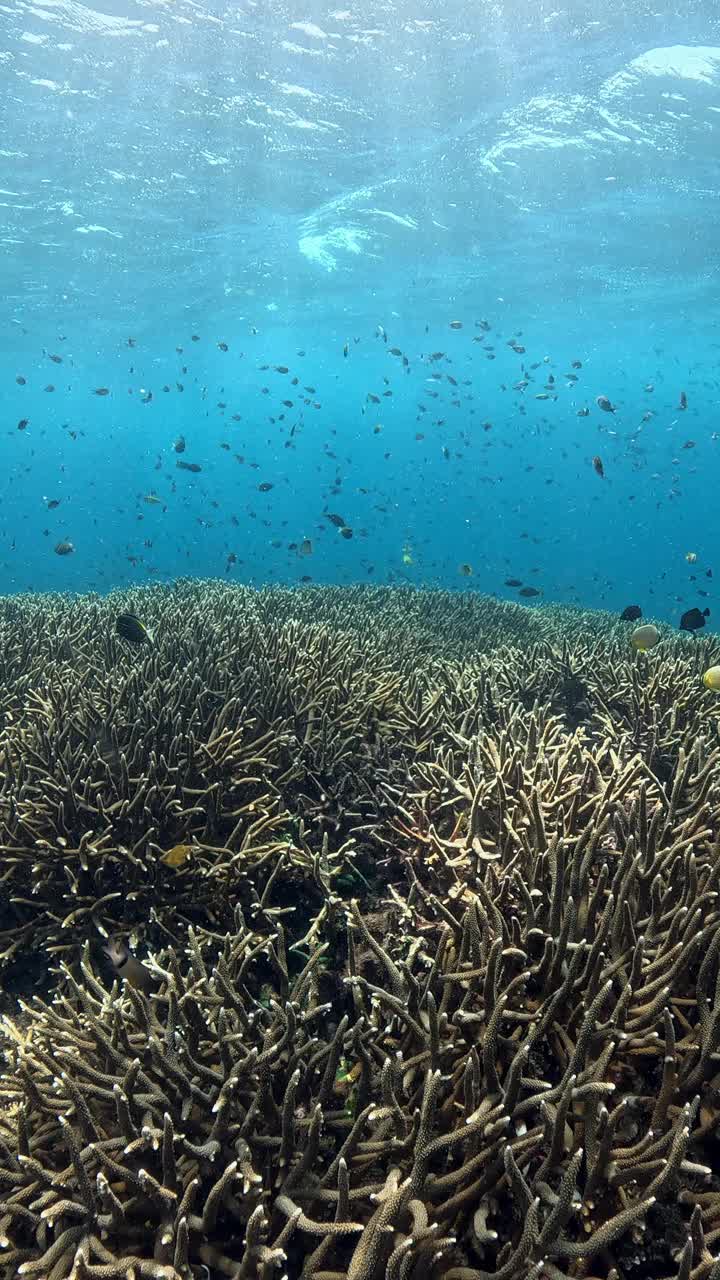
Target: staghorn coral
{"type": "Point", "coordinates": [249, 741]}
{"type": "Point", "coordinates": [485, 1093]}
{"type": "Point", "coordinates": [501, 1062]}
{"type": "Point", "coordinates": [263, 721]}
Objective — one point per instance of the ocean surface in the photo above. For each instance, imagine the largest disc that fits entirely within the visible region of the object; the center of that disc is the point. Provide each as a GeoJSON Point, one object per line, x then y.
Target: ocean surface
{"type": "Point", "coordinates": [372, 262]}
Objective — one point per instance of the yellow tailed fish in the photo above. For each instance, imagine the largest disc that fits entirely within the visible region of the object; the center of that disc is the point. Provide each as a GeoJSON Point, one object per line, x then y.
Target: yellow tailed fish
{"type": "Point", "coordinates": [644, 637]}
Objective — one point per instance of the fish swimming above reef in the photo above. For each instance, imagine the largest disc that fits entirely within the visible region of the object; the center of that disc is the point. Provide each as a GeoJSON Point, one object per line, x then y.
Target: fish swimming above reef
{"type": "Point", "coordinates": [694, 619]}
{"type": "Point", "coordinates": [644, 638]}
{"type": "Point", "coordinates": [129, 627]}
{"type": "Point", "coordinates": [711, 679]}
{"type": "Point", "coordinates": [631, 613]}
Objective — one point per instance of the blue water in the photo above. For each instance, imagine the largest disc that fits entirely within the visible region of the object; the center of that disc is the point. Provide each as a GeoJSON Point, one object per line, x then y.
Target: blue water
{"type": "Point", "coordinates": [285, 178]}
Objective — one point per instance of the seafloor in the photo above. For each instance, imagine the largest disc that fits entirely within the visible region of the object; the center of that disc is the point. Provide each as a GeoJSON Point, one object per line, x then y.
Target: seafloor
{"type": "Point", "coordinates": [421, 896]}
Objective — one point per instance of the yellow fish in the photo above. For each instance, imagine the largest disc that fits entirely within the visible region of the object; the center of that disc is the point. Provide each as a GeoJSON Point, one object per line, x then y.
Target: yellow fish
{"type": "Point", "coordinates": [644, 637]}
{"type": "Point", "coordinates": [407, 557]}
{"type": "Point", "coordinates": [711, 679]}
{"type": "Point", "coordinates": [152, 500]}
{"type": "Point", "coordinates": [176, 856]}
{"type": "Point", "coordinates": [691, 556]}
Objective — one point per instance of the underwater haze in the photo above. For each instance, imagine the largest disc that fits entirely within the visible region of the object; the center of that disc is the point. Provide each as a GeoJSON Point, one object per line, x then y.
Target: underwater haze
{"type": "Point", "coordinates": [419, 292]}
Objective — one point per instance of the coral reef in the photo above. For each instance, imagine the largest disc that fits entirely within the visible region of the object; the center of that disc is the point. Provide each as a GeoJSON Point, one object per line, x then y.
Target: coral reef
{"type": "Point", "coordinates": [255, 725]}
{"type": "Point", "coordinates": [443, 994]}
{"type": "Point", "coordinates": [507, 1085]}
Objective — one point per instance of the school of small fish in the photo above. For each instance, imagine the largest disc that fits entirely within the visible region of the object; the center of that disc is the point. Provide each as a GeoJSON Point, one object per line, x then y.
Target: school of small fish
{"type": "Point", "coordinates": [440, 393]}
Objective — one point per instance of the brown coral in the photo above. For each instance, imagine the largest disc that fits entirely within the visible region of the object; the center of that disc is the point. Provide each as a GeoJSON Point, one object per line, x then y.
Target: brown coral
{"type": "Point", "coordinates": [501, 1061]}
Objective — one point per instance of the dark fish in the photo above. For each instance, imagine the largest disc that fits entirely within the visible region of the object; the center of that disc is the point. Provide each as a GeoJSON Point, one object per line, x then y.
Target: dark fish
{"type": "Point", "coordinates": [49, 387]}
{"type": "Point", "coordinates": [682, 403]}
{"type": "Point", "coordinates": [604, 403]}
{"type": "Point", "coordinates": [56, 359]}
{"type": "Point", "coordinates": [20, 380]}
{"type": "Point", "coordinates": [346, 532]}
{"type": "Point", "coordinates": [129, 627]}
{"type": "Point", "coordinates": [631, 614]}
{"type": "Point", "coordinates": [335, 519]}
{"type": "Point", "coordinates": [265, 487]}
{"type": "Point", "coordinates": [188, 466]}
{"type": "Point", "coordinates": [101, 391]}
{"type": "Point", "coordinates": [693, 619]}
{"type": "Point", "coordinates": [529, 592]}
{"type": "Point", "coordinates": [513, 582]}
{"type": "Point", "coordinates": [22, 424]}
{"type": "Point", "coordinates": [64, 548]}
{"type": "Point", "coordinates": [52, 503]}
{"type": "Point", "coordinates": [598, 466]}
{"type": "Point", "coordinates": [222, 346]}
{"type": "Point", "coordinates": [179, 445]}
{"type": "Point", "coordinates": [456, 324]}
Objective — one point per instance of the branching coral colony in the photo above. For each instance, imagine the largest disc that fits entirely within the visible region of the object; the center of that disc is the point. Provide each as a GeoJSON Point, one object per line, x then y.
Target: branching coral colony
{"type": "Point", "coordinates": [442, 995]}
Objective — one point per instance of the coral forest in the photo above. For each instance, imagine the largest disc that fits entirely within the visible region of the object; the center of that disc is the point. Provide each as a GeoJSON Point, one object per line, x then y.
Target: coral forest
{"type": "Point", "coordinates": [356, 933]}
